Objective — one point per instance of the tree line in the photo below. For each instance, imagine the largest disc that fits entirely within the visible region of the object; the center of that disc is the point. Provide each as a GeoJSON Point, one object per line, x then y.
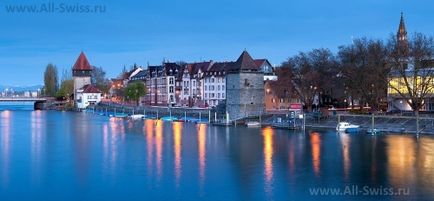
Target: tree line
{"type": "Point", "coordinates": [363, 71]}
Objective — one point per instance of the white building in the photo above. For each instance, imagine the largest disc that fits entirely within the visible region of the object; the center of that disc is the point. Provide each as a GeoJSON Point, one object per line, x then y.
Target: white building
{"type": "Point", "coordinates": [215, 83]}
{"type": "Point", "coordinates": [88, 95]}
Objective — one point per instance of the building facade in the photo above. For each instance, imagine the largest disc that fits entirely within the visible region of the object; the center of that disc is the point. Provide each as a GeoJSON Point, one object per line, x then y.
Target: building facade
{"type": "Point", "coordinates": [245, 88]}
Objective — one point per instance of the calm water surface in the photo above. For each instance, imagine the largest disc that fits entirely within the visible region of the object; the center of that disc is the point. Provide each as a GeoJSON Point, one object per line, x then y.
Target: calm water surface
{"type": "Point", "coordinates": [75, 156]}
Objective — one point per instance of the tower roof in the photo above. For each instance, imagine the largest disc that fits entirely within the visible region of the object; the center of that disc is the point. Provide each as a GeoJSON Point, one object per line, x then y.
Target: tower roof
{"type": "Point", "coordinates": [401, 29]}
{"type": "Point", "coordinates": [82, 63]}
{"type": "Point", "coordinates": [244, 63]}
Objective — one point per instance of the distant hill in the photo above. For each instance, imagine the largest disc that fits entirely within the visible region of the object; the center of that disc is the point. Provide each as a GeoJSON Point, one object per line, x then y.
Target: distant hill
{"type": "Point", "coordinates": [21, 88]}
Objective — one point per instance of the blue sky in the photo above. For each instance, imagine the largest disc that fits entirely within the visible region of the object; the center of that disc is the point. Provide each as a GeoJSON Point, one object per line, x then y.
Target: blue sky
{"type": "Point", "coordinates": [139, 32]}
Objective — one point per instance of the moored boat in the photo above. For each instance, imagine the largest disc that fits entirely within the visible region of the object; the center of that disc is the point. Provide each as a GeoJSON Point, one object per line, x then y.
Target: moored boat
{"type": "Point", "coordinates": [347, 127]}
{"type": "Point", "coordinates": [253, 124]}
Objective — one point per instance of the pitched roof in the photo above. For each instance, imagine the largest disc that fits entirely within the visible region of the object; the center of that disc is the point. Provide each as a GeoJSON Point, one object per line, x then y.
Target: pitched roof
{"type": "Point", "coordinates": [244, 63]}
{"type": "Point", "coordinates": [221, 66]}
{"type": "Point", "coordinates": [171, 69]}
{"type": "Point", "coordinates": [259, 62]}
{"type": "Point", "coordinates": [203, 66]}
{"type": "Point", "coordinates": [90, 89]}
{"type": "Point", "coordinates": [82, 63]}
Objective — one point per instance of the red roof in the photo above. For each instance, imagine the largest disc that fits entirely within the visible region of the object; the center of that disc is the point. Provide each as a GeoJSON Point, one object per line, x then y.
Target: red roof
{"type": "Point", "coordinates": [82, 63]}
{"type": "Point", "coordinates": [90, 89]}
{"type": "Point", "coordinates": [259, 62]}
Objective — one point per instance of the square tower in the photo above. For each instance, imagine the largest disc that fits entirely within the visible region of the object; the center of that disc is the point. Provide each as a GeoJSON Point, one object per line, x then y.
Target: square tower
{"type": "Point", "coordinates": [244, 88]}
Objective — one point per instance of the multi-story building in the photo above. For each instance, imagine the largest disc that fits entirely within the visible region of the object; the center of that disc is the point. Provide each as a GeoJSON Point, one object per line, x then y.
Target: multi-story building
{"type": "Point", "coordinates": [156, 86]}
{"type": "Point", "coordinates": [161, 84]}
{"type": "Point", "coordinates": [215, 83]}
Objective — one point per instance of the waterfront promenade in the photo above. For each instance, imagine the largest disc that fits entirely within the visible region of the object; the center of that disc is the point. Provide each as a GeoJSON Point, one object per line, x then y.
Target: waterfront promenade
{"type": "Point", "coordinates": [382, 123]}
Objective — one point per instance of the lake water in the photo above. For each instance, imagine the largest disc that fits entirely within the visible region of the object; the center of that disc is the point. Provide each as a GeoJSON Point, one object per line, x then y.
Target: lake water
{"type": "Point", "coordinates": [74, 156]}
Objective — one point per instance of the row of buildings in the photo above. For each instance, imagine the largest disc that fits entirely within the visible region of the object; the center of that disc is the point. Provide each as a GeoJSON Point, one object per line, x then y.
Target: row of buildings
{"type": "Point", "coordinates": [203, 84]}
{"type": "Point", "coordinates": [241, 87]}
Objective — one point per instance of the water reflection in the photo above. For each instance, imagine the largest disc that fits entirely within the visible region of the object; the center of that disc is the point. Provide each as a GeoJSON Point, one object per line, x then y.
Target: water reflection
{"type": "Point", "coordinates": [149, 126]}
{"type": "Point", "coordinates": [5, 117]}
{"type": "Point", "coordinates": [159, 146]}
{"type": "Point", "coordinates": [36, 123]}
{"type": "Point", "coordinates": [267, 134]}
{"type": "Point", "coordinates": [117, 129]}
{"type": "Point", "coordinates": [315, 141]}
{"type": "Point", "coordinates": [201, 140]}
{"type": "Point", "coordinates": [401, 160]}
{"type": "Point", "coordinates": [426, 161]}
{"type": "Point", "coordinates": [345, 142]}
{"type": "Point", "coordinates": [177, 139]}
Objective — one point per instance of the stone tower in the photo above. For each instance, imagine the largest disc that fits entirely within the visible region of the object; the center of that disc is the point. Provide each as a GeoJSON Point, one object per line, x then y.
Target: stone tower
{"type": "Point", "coordinates": [401, 36]}
{"type": "Point", "coordinates": [81, 73]}
{"type": "Point", "coordinates": [244, 88]}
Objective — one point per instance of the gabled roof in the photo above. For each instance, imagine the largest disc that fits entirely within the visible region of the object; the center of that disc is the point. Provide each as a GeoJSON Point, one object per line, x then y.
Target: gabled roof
{"type": "Point", "coordinates": [140, 75]}
{"type": "Point", "coordinates": [203, 66]}
{"type": "Point", "coordinates": [90, 89]}
{"type": "Point", "coordinates": [82, 63]}
{"type": "Point", "coordinates": [244, 63]}
{"type": "Point", "coordinates": [172, 69]}
{"type": "Point", "coordinates": [221, 66]}
{"type": "Point", "coordinates": [134, 72]}
{"type": "Point", "coordinates": [261, 62]}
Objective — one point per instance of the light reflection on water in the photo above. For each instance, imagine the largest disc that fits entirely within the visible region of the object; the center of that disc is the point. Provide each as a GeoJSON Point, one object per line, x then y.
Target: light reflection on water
{"type": "Point", "coordinates": [315, 140]}
{"type": "Point", "coordinates": [6, 125]}
{"type": "Point", "coordinates": [177, 143]}
{"type": "Point", "coordinates": [84, 157]}
{"type": "Point", "coordinates": [268, 158]}
{"type": "Point", "coordinates": [201, 140]}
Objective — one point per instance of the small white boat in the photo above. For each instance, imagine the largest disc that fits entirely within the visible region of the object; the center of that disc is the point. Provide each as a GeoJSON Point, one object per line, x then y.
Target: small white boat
{"type": "Point", "coordinates": [137, 116]}
{"type": "Point", "coordinates": [346, 127]}
{"type": "Point", "coordinates": [253, 124]}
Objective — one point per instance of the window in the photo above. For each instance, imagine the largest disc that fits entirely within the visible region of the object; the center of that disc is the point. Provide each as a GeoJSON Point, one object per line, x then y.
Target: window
{"type": "Point", "coordinates": [223, 95]}
{"type": "Point", "coordinates": [171, 81]}
{"type": "Point", "coordinates": [246, 82]}
{"type": "Point", "coordinates": [212, 80]}
{"type": "Point", "coordinates": [170, 89]}
{"type": "Point", "coordinates": [218, 87]}
{"type": "Point", "coordinates": [218, 95]}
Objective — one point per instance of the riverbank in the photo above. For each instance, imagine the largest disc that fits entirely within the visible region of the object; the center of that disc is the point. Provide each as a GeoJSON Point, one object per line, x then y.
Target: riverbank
{"type": "Point", "coordinates": [381, 123]}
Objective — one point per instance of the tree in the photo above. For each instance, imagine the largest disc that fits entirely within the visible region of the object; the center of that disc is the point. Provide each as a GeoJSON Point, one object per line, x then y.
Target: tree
{"type": "Point", "coordinates": [312, 74]}
{"type": "Point", "coordinates": [66, 75]}
{"type": "Point", "coordinates": [99, 79]}
{"type": "Point", "coordinates": [364, 71]}
{"type": "Point", "coordinates": [134, 91]}
{"type": "Point", "coordinates": [51, 84]}
{"type": "Point", "coordinates": [411, 76]}
{"type": "Point", "coordinates": [66, 89]}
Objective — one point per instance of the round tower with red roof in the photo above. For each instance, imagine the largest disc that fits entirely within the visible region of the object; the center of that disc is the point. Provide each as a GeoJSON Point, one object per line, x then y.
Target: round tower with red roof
{"type": "Point", "coordinates": [81, 73]}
